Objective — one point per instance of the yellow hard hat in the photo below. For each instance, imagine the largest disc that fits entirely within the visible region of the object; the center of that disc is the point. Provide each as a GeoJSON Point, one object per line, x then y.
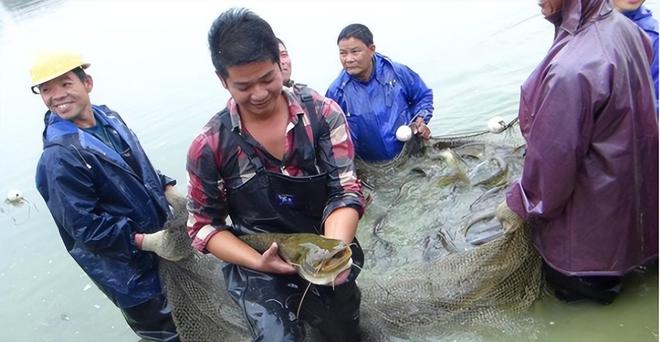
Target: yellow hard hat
{"type": "Point", "coordinates": [49, 65]}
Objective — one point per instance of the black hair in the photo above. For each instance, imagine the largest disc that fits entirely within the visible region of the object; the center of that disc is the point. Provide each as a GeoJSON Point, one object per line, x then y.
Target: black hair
{"type": "Point", "coordinates": [239, 36]}
{"type": "Point", "coordinates": [80, 72]}
{"type": "Point", "coordinates": [357, 31]}
{"type": "Point", "coordinates": [281, 42]}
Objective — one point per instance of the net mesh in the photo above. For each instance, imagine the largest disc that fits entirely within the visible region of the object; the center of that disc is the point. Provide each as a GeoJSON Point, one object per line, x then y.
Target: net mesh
{"type": "Point", "coordinates": [436, 256]}
{"type": "Point", "coordinates": [195, 287]}
{"type": "Point", "coordinates": [483, 286]}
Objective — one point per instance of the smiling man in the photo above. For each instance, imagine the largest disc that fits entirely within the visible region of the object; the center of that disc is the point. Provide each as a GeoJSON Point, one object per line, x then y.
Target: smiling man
{"type": "Point", "coordinates": [273, 160]}
{"type": "Point", "coordinates": [285, 64]}
{"type": "Point", "coordinates": [105, 197]}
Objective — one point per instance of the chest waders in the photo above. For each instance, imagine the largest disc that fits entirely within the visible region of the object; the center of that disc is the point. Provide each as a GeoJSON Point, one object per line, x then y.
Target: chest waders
{"type": "Point", "coordinates": [272, 202]}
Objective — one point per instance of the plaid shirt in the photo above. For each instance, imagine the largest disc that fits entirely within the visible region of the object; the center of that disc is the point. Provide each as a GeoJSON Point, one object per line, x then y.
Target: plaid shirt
{"type": "Point", "coordinates": [215, 161]}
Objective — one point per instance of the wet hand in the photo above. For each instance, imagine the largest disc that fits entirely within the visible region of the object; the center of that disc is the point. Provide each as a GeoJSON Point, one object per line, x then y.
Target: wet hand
{"type": "Point", "coordinates": [342, 277]}
{"type": "Point", "coordinates": [508, 218]}
{"type": "Point", "coordinates": [160, 243]}
{"type": "Point", "coordinates": [420, 129]}
{"type": "Point", "coordinates": [271, 262]}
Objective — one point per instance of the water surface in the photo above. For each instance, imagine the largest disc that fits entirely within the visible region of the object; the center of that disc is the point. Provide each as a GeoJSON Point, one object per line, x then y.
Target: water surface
{"type": "Point", "coordinates": [150, 63]}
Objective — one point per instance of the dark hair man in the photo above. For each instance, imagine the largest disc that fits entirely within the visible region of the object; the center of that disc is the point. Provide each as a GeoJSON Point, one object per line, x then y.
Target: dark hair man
{"type": "Point", "coordinates": [273, 161]}
{"type": "Point", "coordinates": [378, 96]}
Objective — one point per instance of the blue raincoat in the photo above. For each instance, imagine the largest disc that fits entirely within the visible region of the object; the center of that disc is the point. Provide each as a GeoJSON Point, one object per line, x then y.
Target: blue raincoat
{"type": "Point", "coordinates": [394, 96]}
{"type": "Point", "coordinates": [99, 202]}
{"type": "Point", "coordinates": [644, 19]}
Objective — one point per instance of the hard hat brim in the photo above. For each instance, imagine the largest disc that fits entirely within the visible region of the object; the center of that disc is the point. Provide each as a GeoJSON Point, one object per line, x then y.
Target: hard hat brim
{"type": "Point", "coordinates": [51, 77]}
{"type": "Point", "coordinates": [49, 65]}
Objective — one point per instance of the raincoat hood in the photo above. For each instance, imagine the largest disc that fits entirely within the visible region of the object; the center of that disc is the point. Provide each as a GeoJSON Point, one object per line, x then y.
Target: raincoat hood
{"type": "Point", "coordinates": [575, 14]}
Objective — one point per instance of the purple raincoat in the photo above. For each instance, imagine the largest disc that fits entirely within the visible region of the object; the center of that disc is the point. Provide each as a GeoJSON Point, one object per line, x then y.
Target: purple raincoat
{"type": "Point", "coordinates": [590, 177]}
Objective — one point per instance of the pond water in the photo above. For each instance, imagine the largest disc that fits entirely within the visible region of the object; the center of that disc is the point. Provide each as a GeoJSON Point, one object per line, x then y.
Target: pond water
{"type": "Point", "coordinates": [150, 63]}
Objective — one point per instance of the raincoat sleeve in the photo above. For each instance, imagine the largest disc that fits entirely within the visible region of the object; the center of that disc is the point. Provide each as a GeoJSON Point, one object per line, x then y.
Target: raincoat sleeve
{"type": "Point", "coordinates": [558, 138]}
{"type": "Point", "coordinates": [336, 153]}
{"type": "Point", "coordinates": [71, 196]}
{"type": "Point", "coordinates": [417, 93]}
{"type": "Point", "coordinates": [207, 204]}
{"type": "Point", "coordinates": [165, 180]}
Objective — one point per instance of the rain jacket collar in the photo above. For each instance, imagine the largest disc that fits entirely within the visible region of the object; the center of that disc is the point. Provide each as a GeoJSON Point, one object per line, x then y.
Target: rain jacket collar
{"type": "Point", "coordinates": [643, 17]}
{"type": "Point", "coordinates": [63, 132]}
{"type": "Point", "coordinates": [640, 13]}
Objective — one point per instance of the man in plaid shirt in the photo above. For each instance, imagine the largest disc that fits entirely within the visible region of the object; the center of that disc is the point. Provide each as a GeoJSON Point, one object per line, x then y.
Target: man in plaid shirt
{"type": "Point", "coordinates": [273, 161]}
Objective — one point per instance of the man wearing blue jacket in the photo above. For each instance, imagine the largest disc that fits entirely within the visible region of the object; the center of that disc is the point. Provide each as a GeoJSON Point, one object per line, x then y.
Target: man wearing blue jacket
{"type": "Point", "coordinates": [107, 200]}
{"type": "Point", "coordinates": [642, 16]}
{"type": "Point", "coordinates": [378, 96]}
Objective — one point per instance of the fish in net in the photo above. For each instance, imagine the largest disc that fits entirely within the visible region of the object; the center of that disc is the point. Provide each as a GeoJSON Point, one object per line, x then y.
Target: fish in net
{"type": "Point", "coordinates": [436, 257]}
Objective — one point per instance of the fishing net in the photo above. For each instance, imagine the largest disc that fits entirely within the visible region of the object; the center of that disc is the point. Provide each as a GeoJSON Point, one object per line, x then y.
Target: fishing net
{"type": "Point", "coordinates": [436, 256]}
{"type": "Point", "coordinates": [201, 307]}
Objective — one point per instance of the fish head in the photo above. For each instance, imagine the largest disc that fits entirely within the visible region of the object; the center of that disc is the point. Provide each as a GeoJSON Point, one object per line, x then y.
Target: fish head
{"type": "Point", "coordinates": [318, 259]}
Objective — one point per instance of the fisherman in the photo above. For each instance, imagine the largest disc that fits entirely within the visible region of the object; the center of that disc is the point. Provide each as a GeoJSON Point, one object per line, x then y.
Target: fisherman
{"type": "Point", "coordinates": [104, 195]}
{"type": "Point", "coordinates": [285, 64]}
{"type": "Point", "coordinates": [643, 17]}
{"type": "Point", "coordinates": [589, 185]}
{"type": "Point", "coordinates": [378, 96]}
{"type": "Point", "coordinates": [273, 161]}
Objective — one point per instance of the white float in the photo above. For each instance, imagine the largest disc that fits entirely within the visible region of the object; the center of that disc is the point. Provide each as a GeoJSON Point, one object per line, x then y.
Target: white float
{"type": "Point", "coordinates": [403, 133]}
{"type": "Point", "coordinates": [496, 124]}
{"type": "Point", "coordinates": [14, 196]}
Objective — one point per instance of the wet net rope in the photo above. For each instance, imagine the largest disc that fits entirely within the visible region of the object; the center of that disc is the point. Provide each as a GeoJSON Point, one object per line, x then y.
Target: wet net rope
{"type": "Point", "coordinates": [436, 257]}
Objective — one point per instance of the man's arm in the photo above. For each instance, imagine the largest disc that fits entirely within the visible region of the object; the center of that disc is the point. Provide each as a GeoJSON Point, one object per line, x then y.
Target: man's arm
{"type": "Point", "coordinates": [417, 93]}
{"type": "Point", "coordinates": [226, 246]}
{"type": "Point", "coordinates": [557, 142]}
{"type": "Point", "coordinates": [165, 181]}
{"type": "Point", "coordinates": [342, 224]}
{"type": "Point", "coordinates": [335, 149]}
{"type": "Point", "coordinates": [69, 191]}
{"type": "Point", "coordinates": [208, 212]}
